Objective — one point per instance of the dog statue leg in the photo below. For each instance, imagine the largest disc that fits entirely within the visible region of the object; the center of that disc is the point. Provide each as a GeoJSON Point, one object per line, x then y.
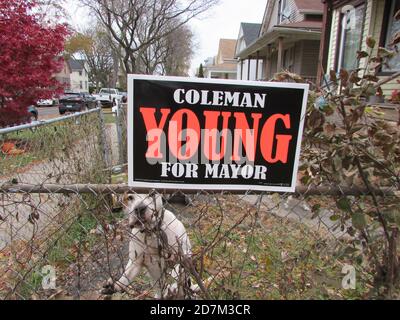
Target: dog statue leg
{"type": "Point", "coordinates": [176, 290]}
{"type": "Point", "coordinates": [169, 291]}
{"type": "Point", "coordinates": [155, 270]}
{"type": "Point", "coordinates": [132, 269]}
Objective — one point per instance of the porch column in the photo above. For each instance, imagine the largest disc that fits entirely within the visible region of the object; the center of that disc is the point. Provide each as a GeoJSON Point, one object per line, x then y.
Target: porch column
{"type": "Point", "coordinates": [280, 54]}
{"type": "Point", "coordinates": [241, 69]}
{"type": "Point", "coordinates": [248, 67]}
{"type": "Point", "coordinates": [257, 61]}
{"type": "Point", "coordinates": [268, 63]}
{"type": "Point", "coordinates": [264, 68]}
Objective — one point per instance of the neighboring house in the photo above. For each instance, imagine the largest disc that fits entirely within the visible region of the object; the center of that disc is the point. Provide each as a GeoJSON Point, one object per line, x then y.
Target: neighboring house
{"type": "Point", "coordinates": [224, 64]}
{"type": "Point", "coordinates": [289, 39]}
{"type": "Point", "coordinates": [79, 75]}
{"type": "Point", "coordinates": [247, 69]}
{"type": "Point", "coordinates": [64, 76]}
{"type": "Point", "coordinates": [346, 31]}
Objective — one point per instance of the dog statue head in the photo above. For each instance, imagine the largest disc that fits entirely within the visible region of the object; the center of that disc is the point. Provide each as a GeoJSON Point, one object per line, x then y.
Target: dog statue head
{"type": "Point", "coordinates": [143, 211]}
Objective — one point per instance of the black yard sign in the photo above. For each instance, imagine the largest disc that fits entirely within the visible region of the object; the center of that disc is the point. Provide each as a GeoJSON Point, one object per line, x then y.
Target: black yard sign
{"type": "Point", "coordinates": [214, 134]}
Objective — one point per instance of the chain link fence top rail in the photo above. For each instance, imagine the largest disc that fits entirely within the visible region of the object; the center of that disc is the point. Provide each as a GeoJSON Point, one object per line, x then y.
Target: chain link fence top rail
{"type": "Point", "coordinates": [66, 229]}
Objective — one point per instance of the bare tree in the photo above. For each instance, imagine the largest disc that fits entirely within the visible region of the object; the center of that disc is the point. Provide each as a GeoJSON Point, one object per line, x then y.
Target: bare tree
{"type": "Point", "coordinates": [179, 45]}
{"type": "Point", "coordinates": [94, 46]}
{"type": "Point", "coordinates": [136, 25]}
{"type": "Point", "coordinates": [52, 11]}
{"type": "Point", "coordinates": [169, 55]}
{"type": "Point", "coordinates": [100, 58]}
{"type": "Point", "coordinates": [149, 59]}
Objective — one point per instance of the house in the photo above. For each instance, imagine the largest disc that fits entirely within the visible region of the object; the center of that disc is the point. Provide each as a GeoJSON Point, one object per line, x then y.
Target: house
{"type": "Point", "coordinates": [247, 69]}
{"type": "Point", "coordinates": [347, 24]}
{"type": "Point", "coordinates": [63, 76]}
{"type": "Point", "coordinates": [224, 63]}
{"type": "Point", "coordinates": [289, 39]}
{"type": "Point", "coordinates": [79, 75]}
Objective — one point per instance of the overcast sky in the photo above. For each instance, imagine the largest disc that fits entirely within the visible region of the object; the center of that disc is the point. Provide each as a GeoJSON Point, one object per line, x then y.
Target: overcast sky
{"type": "Point", "coordinates": [222, 21]}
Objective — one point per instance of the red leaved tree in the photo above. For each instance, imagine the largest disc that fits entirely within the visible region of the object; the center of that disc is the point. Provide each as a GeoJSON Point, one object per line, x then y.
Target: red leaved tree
{"type": "Point", "coordinates": [30, 56]}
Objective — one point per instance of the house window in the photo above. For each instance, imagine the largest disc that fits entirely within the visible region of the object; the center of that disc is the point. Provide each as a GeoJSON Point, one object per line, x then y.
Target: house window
{"type": "Point", "coordinates": [350, 38]}
{"type": "Point", "coordinates": [80, 73]}
{"type": "Point", "coordinates": [393, 26]}
{"type": "Point", "coordinates": [80, 85]}
{"type": "Point", "coordinates": [282, 6]}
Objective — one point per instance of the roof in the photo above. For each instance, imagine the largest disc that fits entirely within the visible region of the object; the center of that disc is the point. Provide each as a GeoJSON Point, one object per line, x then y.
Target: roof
{"type": "Point", "coordinates": [227, 48]}
{"type": "Point", "coordinates": [309, 5]}
{"type": "Point", "coordinates": [76, 64]}
{"type": "Point", "coordinates": [293, 30]}
{"type": "Point", "coordinates": [251, 31]}
{"type": "Point", "coordinates": [305, 24]}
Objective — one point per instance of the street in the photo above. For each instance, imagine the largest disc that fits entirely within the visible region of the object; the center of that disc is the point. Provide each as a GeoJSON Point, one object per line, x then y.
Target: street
{"type": "Point", "coordinates": [46, 113]}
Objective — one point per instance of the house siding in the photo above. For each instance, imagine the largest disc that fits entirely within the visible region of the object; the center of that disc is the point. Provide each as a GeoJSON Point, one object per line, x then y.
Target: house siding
{"type": "Point", "coordinates": [77, 80]}
{"type": "Point", "coordinates": [333, 40]}
{"type": "Point", "coordinates": [309, 57]}
{"type": "Point", "coordinates": [367, 25]}
{"type": "Point", "coordinates": [296, 16]}
{"type": "Point", "coordinates": [274, 17]}
{"type": "Point", "coordinates": [376, 21]}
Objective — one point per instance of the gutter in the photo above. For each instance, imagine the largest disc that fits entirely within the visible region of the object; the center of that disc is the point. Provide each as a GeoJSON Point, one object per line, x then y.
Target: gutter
{"type": "Point", "coordinates": [311, 11]}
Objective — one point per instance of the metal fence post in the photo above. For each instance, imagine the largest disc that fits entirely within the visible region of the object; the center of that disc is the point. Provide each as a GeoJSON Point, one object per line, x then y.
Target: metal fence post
{"type": "Point", "coordinates": [119, 134]}
{"type": "Point", "coordinates": [103, 141]}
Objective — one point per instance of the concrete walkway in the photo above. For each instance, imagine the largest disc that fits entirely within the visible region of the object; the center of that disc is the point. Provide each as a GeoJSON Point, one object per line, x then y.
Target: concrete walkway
{"type": "Point", "coordinates": [299, 211]}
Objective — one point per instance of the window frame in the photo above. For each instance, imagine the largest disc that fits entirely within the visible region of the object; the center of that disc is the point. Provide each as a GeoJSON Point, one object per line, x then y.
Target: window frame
{"type": "Point", "coordinates": [282, 5]}
{"type": "Point", "coordinates": [340, 33]}
{"type": "Point", "coordinates": [384, 31]}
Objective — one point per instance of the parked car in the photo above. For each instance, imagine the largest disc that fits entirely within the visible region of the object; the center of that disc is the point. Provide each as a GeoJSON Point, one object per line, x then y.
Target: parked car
{"type": "Point", "coordinates": [76, 102]}
{"type": "Point", "coordinates": [45, 103]}
{"type": "Point", "coordinates": [108, 96]}
{"type": "Point", "coordinates": [92, 100]}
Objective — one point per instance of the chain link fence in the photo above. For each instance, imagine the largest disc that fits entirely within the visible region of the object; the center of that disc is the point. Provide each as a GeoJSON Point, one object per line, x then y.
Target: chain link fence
{"type": "Point", "coordinates": [67, 228]}
{"type": "Point", "coordinates": [121, 121]}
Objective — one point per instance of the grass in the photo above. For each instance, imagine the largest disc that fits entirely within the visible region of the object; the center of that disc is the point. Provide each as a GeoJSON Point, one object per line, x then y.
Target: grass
{"type": "Point", "coordinates": [46, 142]}
{"type": "Point", "coordinates": [62, 250]}
{"type": "Point", "coordinates": [37, 144]}
{"type": "Point", "coordinates": [263, 258]}
{"type": "Point", "coordinates": [109, 118]}
{"type": "Point", "coordinates": [282, 260]}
